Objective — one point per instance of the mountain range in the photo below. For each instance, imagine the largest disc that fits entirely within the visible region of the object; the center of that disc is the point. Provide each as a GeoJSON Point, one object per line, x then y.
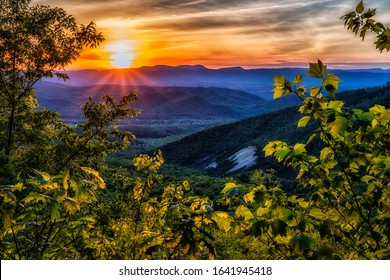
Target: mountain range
{"type": "Point", "coordinates": [256, 81]}
{"type": "Point", "coordinates": [155, 102]}
{"type": "Point", "coordinates": [178, 101]}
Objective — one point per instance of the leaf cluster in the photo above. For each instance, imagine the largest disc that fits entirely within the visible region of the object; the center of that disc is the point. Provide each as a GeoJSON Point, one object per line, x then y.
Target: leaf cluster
{"type": "Point", "coordinates": [346, 215]}
{"type": "Point", "coordinates": [361, 20]}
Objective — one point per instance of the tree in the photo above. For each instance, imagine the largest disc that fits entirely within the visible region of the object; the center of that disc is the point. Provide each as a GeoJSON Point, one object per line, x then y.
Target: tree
{"type": "Point", "coordinates": [46, 181]}
{"type": "Point", "coordinates": [348, 213]}
{"type": "Point", "coordinates": [361, 20]}
{"type": "Point", "coordinates": [36, 42]}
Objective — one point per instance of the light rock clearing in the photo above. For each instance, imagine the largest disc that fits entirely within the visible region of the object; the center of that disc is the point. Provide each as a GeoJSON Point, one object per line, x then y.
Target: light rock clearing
{"type": "Point", "coordinates": [244, 158]}
{"type": "Point", "coordinates": [212, 165]}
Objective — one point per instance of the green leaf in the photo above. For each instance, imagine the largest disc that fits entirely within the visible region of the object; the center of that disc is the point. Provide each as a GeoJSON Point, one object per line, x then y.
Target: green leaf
{"type": "Point", "coordinates": [65, 178]}
{"type": "Point", "coordinates": [360, 7]}
{"type": "Point", "coordinates": [249, 197]}
{"type": "Point", "coordinates": [302, 203]}
{"type": "Point", "coordinates": [281, 153]}
{"type": "Point", "coordinates": [54, 211]}
{"type": "Point", "coordinates": [301, 91]}
{"type": "Point", "coordinates": [364, 116]}
{"type": "Point", "coordinates": [228, 186]}
{"type": "Point", "coordinates": [336, 105]}
{"type": "Point", "coordinates": [299, 149]}
{"type": "Point", "coordinates": [269, 149]}
{"type": "Point", "coordinates": [231, 189]}
{"type": "Point", "coordinates": [299, 244]}
{"type": "Point", "coordinates": [258, 227]}
{"type": "Point", "coordinates": [71, 205]}
{"type": "Point", "coordinates": [223, 220]}
{"type": "Point", "coordinates": [34, 197]}
{"type": "Point", "coordinates": [97, 179]}
{"type": "Point", "coordinates": [317, 70]}
{"type": "Point", "coordinates": [17, 187]}
{"type": "Point", "coordinates": [255, 195]}
{"type": "Point", "coordinates": [326, 154]}
{"type": "Point", "coordinates": [7, 219]}
{"type": "Point", "coordinates": [303, 121]}
{"type": "Point", "coordinates": [262, 211]}
{"type": "Point", "coordinates": [298, 79]}
{"type": "Point", "coordinates": [243, 211]}
{"type": "Point", "coordinates": [279, 227]}
{"type": "Point", "coordinates": [311, 138]}
{"type": "Point", "coordinates": [279, 86]}
{"type": "Point", "coordinates": [316, 213]}
{"type": "Point", "coordinates": [378, 109]}
{"type": "Point", "coordinates": [339, 126]}
{"type": "Point", "coordinates": [315, 92]}
{"type": "Point", "coordinates": [44, 177]}
{"type": "Point", "coordinates": [331, 84]}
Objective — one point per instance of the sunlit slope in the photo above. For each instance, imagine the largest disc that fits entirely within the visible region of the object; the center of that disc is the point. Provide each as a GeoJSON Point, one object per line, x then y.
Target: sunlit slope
{"type": "Point", "coordinates": [212, 149]}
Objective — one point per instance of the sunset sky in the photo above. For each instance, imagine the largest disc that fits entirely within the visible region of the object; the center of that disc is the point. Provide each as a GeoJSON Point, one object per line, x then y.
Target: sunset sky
{"type": "Point", "coordinates": [224, 33]}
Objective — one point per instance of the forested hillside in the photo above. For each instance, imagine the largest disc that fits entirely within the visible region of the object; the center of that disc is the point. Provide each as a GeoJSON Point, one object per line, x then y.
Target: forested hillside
{"type": "Point", "coordinates": [219, 143]}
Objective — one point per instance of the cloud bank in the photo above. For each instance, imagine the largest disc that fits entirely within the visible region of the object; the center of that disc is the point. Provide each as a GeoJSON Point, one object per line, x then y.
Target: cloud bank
{"type": "Point", "coordinates": [230, 32]}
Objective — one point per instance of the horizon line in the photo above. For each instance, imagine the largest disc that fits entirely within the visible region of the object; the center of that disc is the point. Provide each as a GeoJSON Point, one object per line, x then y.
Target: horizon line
{"type": "Point", "coordinates": [384, 66]}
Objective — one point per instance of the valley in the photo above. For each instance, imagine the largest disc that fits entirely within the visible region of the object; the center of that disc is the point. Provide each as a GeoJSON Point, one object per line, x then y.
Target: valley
{"type": "Point", "coordinates": [178, 101]}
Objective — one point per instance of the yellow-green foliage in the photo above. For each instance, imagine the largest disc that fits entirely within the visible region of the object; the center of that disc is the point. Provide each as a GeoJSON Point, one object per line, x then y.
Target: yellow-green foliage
{"type": "Point", "coordinates": [348, 213]}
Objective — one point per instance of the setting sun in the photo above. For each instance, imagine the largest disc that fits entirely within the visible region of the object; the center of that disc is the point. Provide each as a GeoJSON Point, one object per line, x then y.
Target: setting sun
{"type": "Point", "coordinates": [121, 54]}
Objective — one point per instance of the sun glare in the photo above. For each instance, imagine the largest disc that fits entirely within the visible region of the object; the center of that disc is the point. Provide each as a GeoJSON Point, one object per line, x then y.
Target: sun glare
{"type": "Point", "coordinates": [121, 54]}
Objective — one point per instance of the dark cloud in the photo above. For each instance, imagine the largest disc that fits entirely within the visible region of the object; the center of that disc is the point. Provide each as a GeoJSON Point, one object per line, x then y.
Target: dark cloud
{"type": "Point", "coordinates": [239, 12]}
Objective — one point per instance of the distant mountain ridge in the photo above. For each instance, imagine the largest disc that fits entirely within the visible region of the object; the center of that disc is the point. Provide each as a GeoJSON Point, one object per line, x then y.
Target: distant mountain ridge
{"type": "Point", "coordinates": [155, 102]}
{"type": "Point", "coordinates": [256, 81]}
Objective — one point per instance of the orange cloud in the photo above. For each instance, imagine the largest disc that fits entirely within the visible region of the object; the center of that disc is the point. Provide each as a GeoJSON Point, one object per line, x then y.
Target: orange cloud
{"type": "Point", "coordinates": [219, 33]}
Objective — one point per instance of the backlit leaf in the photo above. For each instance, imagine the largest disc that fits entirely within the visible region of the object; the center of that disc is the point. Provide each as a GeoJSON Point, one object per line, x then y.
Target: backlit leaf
{"type": "Point", "coordinates": [326, 154]}
{"type": "Point", "coordinates": [298, 79]}
{"type": "Point", "coordinates": [336, 105]}
{"type": "Point", "coordinates": [54, 211]}
{"type": "Point", "coordinates": [339, 126]}
{"type": "Point", "coordinates": [65, 178]}
{"type": "Point", "coordinates": [261, 211]}
{"type": "Point", "coordinates": [317, 70]}
{"type": "Point", "coordinates": [281, 153]}
{"type": "Point", "coordinates": [360, 7]}
{"type": "Point", "coordinates": [316, 213]}
{"type": "Point", "coordinates": [223, 220]}
{"type": "Point", "coordinates": [71, 205]}
{"type": "Point", "coordinates": [228, 186]}
{"type": "Point", "coordinates": [243, 211]}
{"type": "Point", "coordinates": [303, 121]}
{"type": "Point", "coordinates": [7, 219]}
{"type": "Point", "coordinates": [299, 149]}
{"type": "Point", "coordinates": [331, 84]}
{"type": "Point", "coordinates": [281, 86]}
{"type": "Point", "coordinates": [231, 189]}
{"type": "Point", "coordinates": [311, 138]}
